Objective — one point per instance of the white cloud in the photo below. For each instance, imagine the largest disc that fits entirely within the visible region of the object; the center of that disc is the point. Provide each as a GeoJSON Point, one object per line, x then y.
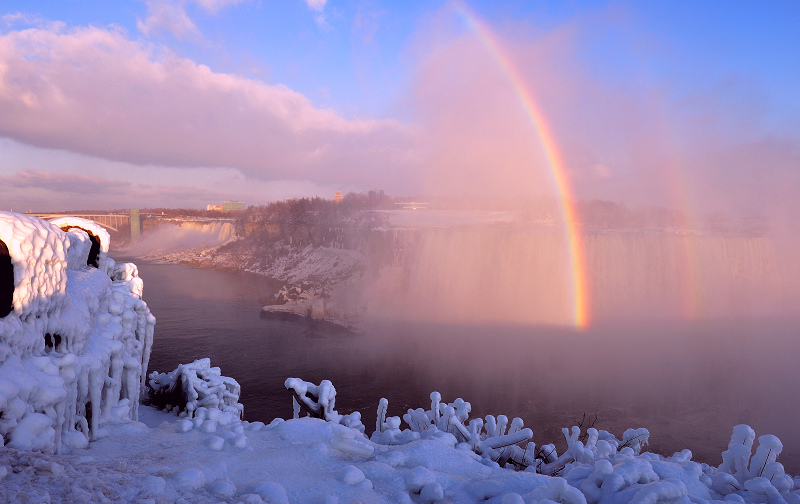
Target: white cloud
{"type": "Point", "coordinates": [171, 16]}
{"type": "Point", "coordinates": [168, 16]}
{"type": "Point", "coordinates": [214, 6]}
{"type": "Point", "coordinates": [316, 5]}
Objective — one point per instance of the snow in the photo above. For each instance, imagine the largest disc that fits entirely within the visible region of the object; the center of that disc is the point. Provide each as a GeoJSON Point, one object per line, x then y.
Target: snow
{"type": "Point", "coordinates": [301, 460]}
{"type": "Point", "coordinates": [92, 229]}
{"type": "Point", "coordinates": [74, 347]}
{"type": "Point", "coordinates": [197, 390]}
{"type": "Point", "coordinates": [73, 358]}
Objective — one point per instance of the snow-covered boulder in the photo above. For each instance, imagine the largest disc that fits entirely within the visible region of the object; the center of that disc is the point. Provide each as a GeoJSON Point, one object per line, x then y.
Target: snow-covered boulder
{"type": "Point", "coordinates": [75, 345]}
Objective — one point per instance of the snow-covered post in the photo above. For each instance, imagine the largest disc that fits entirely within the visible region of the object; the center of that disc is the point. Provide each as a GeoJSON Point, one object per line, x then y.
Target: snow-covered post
{"type": "Point", "coordinates": [295, 408]}
{"type": "Point", "coordinates": [516, 425]}
{"type": "Point", "coordinates": [383, 405]}
{"type": "Point", "coordinates": [491, 426]}
{"type": "Point", "coordinates": [529, 458]}
{"type": "Point", "coordinates": [475, 427]}
{"type": "Point", "coordinates": [591, 441]}
{"type": "Point", "coordinates": [436, 398]}
{"type": "Point", "coordinates": [736, 458]}
{"type": "Point", "coordinates": [502, 422]}
{"type": "Point", "coordinates": [462, 409]}
{"type": "Point", "coordinates": [769, 447]}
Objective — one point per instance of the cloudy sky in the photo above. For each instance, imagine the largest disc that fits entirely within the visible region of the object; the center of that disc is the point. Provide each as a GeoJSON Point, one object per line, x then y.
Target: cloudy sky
{"type": "Point", "coordinates": [181, 103]}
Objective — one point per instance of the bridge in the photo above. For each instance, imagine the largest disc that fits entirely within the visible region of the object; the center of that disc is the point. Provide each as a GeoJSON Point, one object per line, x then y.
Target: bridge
{"type": "Point", "coordinates": [108, 221]}
{"type": "Point", "coordinates": [113, 221]}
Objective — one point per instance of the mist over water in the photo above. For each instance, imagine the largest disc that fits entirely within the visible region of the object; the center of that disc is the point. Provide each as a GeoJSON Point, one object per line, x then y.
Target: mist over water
{"type": "Point", "coordinates": [169, 237]}
{"type": "Point", "coordinates": [521, 275]}
{"type": "Point", "coordinates": [690, 332]}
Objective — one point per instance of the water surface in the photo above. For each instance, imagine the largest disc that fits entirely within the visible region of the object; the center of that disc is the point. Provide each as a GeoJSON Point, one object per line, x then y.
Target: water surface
{"type": "Point", "coordinates": [688, 383]}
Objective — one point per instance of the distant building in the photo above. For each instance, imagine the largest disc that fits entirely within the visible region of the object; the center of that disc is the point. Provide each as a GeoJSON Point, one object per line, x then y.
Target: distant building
{"type": "Point", "coordinates": [228, 206]}
{"type": "Point", "coordinates": [337, 198]}
{"type": "Point", "coordinates": [214, 208]}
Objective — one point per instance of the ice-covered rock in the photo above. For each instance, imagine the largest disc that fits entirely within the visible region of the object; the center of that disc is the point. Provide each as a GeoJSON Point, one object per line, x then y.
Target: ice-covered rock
{"type": "Point", "coordinates": [99, 239]}
{"type": "Point", "coordinates": [75, 340]}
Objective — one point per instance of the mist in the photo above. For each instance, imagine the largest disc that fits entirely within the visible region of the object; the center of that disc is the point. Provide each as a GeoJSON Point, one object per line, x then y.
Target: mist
{"type": "Point", "coordinates": [629, 137]}
{"type": "Point", "coordinates": [168, 238]}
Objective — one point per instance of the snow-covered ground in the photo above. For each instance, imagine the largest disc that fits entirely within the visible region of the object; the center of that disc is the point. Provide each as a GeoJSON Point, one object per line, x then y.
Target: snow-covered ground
{"type": "Point", "coordinates": [214, 457]}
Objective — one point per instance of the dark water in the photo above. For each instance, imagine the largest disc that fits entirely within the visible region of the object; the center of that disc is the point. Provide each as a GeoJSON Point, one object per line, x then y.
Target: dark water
{"type": "Point", "coordinates": [688, 383]}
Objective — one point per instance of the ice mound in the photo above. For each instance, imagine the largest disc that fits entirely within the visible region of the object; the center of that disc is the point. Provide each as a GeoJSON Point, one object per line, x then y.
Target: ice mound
{"type": "Point", "coordinates": [75, 344]}
{"type": "Point", "coordinates": [98, 236]}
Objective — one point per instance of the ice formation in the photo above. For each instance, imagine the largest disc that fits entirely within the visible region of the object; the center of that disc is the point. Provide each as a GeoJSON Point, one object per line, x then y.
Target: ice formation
{"type": "Point", "coordinates": [99, 238]}
{"type": "Point", "coordinates": [319, 401]}
{"type": "Point", "coordinates": [76, 343]}
{"type": "Point", "coordinates": [193, 386]}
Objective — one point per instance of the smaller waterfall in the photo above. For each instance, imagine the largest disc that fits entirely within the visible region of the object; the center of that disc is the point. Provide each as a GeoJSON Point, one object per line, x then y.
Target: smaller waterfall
{"type": "Point", "coordinates": [176, 236]}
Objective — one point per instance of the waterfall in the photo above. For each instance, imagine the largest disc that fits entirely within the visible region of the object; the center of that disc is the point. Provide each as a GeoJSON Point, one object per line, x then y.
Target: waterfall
{"type": "Point", "coordinates": [524, 276]}
{"type": "Point", "coordinates": [177, 236]}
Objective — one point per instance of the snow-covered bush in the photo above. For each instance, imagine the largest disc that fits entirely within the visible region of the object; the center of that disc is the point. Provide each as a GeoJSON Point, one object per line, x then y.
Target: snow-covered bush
{"type": "Point", "coordinates": [488, 439]}
{"type": "Point", "coordinates": [76, 343]}
{"type": "Point", "coordinates": [319, 401]}
{"type": "Point", "coordinates": [193, 386]}
{"type": "Point", "coordinates": [497, 441]}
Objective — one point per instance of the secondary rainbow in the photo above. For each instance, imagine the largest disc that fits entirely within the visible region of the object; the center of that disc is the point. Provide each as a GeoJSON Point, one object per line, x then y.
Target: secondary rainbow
{"type": "Point", "coordinates": [556, 164]}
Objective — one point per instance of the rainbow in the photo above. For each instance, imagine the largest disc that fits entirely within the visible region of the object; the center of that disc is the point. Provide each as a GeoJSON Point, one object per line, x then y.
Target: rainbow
{"type": "Point", "coordinates": [694, 297]}
{"type": "Point", "coordinates": [555, 163]}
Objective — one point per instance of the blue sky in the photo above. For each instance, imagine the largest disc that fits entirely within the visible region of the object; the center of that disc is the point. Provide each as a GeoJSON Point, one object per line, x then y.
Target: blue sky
{"type": "Point", "coordinates": [259, 100]}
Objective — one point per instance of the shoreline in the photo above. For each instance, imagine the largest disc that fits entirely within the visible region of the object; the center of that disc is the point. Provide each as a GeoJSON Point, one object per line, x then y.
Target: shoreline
{"type": "Point", "coordinates": [299, 309]}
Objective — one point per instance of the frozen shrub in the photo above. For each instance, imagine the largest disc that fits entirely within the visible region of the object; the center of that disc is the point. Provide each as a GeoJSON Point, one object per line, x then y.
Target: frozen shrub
{"type": "Point", "coordinates": [193, 386]}
{"type": "Point", "coordinates": [319, 401]}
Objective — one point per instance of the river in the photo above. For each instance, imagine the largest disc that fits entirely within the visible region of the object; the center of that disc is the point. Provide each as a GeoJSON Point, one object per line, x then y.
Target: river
{"type": "Point", "coordinates": [688, 383]}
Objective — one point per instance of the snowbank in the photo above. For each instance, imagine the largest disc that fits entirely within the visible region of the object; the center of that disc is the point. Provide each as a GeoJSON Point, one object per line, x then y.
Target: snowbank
{"type": "Point", "coordinates": [208, 456]}
{"type": "Point", "coordinates": [74, 348]}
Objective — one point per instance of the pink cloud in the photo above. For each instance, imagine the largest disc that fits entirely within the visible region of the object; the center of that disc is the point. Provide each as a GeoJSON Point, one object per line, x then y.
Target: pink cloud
{"type": "Point", "coordinates": [48, 191]}
{"type": "Point", "coordinates": [171, 16]}
{"type": "Point", "coordinates": [316, 5]}
{"type": "Point", "coordinates": [65, 183]}
{"type": "Point", "coordinates": [168, 16]}
{"type": "Point", "coordinates": [94, 91]}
